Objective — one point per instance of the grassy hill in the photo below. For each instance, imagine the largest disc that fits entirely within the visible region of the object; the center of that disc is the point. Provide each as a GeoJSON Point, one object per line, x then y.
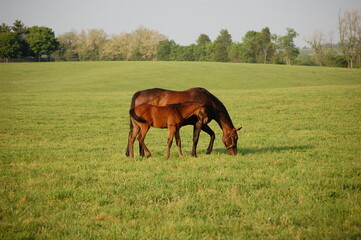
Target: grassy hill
{"type": "Point", "coordinates": [64, 128]}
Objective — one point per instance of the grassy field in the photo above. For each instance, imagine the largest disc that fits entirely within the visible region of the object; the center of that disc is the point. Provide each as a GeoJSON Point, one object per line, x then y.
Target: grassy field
{"type": "Point", "coordinates": [64, 175]}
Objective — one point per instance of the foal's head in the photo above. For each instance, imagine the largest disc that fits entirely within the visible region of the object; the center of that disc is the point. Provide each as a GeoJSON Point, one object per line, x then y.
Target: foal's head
{"type": "Point", "coordinates": [203, 114]}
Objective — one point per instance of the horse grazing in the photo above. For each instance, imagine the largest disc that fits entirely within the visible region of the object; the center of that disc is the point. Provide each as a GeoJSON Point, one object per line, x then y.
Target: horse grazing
{"type": "Point", "coordinates": [170, 116]}
{"type": "Point", "coordinates": [217, 111]}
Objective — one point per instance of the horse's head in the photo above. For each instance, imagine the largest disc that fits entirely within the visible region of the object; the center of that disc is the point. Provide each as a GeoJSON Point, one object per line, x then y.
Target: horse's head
{"type": "Point", "coordinates": [230, 141]}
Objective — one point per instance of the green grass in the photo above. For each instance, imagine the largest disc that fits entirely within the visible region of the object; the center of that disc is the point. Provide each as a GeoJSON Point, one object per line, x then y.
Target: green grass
{"type": "Point", "coordinates": [63, 133]}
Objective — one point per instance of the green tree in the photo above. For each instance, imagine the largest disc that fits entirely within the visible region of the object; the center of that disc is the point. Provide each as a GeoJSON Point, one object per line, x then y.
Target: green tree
{"type": "Point", "coordinates": [234, 52]}
{"type": "Point", "coordinates": [221, 45]}
{"type": "Point", "coordinates": [5, 28]}
{"type": "Point", "coordinates": [250, 47]}
{"type": "Point", "coordinates": [267, 47]}
{"type": "Point", "coordinates": [41, 41]}
{"type": "Point", "coordinates": [187, 53]}
{"type": "Point", "coordinates": [203, 51]}
{"type": "Point", "coordinates": [203, 39]}
{"type": "Point", "coordinates": [287, 49]}
{"type": "Point", "coordinates": [9, 45]}
{"type": "Point", "coordinates": [183, 53]}
{"type": "Point", "coordinates": [20, 30]}
{"type": "Point", "coordinates": [165, 49]}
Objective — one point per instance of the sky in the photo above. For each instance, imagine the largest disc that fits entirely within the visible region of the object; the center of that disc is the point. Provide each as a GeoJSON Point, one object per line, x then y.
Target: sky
{"type": "Point", "coordinates": [181, 20]}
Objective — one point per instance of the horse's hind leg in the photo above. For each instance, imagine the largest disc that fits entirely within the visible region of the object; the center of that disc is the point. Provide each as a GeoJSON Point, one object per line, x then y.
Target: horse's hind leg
{"type": "Point", "coordinates": [130, 132]}
{"type": "Point", "coordinates": [141, 150]}
{"type": "Point", "coordinates": [178, 141]}
{"type": "Point", "coordinates": [208, 130]}
{"type": "Point", "coordinates": [196, 131]}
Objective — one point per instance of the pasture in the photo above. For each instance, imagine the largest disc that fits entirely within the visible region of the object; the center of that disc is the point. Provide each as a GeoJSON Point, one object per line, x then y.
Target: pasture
{"type": "Point", "coordinates": [64, 174]}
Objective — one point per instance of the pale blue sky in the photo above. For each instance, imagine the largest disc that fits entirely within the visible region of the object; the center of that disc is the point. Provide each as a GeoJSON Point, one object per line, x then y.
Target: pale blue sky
{"type": "Point", "coordinates": [181, 20]}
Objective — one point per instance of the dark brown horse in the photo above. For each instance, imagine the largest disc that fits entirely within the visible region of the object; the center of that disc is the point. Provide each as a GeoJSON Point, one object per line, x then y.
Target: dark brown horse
{"type": "Point", "coordinates": [171, 116]}
{"type": "Point", "coordinates": [218, 112]}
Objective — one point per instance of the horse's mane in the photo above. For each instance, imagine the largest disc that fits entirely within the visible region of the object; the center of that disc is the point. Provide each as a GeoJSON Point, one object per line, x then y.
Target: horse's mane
{"type": "Point", "coordinates": [218, 106]}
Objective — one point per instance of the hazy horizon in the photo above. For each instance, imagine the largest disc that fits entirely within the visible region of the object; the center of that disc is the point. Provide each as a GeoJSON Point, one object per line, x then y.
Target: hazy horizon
{"type": "Point", "coordinates": [182, 21]}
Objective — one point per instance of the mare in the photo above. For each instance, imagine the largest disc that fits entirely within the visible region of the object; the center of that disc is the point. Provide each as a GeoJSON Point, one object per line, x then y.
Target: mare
{"type": "Point", "coordinates": [217, 111]}
{"type": "Point", "coordinates": [171, 116]}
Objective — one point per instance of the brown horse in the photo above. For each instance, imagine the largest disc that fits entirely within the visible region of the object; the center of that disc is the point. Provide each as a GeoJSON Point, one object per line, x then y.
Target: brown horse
{"type": "Point", "coordinates": [218, 112]}
{"type": "Point", "coordinates": [170, 116]}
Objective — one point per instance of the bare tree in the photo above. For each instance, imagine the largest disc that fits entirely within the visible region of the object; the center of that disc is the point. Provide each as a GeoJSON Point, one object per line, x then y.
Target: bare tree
{"type": "Point", "coordinates": [144, 43]}
{"type": "Point", "coordinates": [349, 31]}
{"type": "Point", "coordinates": [90, 44]}
{"type": "Point", "coordinates": [316, 41]}
{"type": "Point", "coordinates": [117, 48]}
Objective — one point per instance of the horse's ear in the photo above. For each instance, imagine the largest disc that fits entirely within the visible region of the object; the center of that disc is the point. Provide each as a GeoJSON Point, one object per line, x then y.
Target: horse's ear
{"type": "Point", "coordinates": [237, 129]}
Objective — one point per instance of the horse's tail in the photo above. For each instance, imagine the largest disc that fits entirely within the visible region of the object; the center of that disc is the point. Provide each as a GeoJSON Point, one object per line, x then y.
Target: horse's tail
{"type": "Point", "coordinates": [136, 117]}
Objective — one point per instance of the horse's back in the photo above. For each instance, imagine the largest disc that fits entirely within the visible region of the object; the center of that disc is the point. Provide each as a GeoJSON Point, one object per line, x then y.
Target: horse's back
{"type": "Point", "coordinates": [162, 97]}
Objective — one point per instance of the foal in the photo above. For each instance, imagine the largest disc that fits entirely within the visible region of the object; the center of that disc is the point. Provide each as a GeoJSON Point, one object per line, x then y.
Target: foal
{"type": "Point", "coordinates": [170, 116]}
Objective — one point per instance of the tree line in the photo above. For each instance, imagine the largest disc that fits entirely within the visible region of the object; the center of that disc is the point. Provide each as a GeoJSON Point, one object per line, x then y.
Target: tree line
{"type": "Point", "coordinates": [143, 45]}
{"type": "Point", "coordinates": [256, 47]}
{"type": "Point", "coordinates": [96, 45]}
{"type": "Point", "coordinates": [19, 41]}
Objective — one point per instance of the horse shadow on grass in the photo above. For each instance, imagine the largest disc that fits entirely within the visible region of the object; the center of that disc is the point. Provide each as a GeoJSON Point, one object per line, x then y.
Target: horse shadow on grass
{"type": "Point", "coordinates": [246, 151]}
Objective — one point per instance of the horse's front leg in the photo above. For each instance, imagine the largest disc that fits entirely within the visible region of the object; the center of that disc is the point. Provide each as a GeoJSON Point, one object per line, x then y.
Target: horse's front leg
{"type": "Point", "coordinates": [212, 135]}
{"type": "Point", "coordinates": [196, 131]}
{"type": "Point", "coordinates": [178, 141]}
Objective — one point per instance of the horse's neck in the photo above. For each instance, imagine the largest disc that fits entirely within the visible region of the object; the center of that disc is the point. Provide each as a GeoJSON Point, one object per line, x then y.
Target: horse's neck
{"type": "Point", "coordinates": [225, 123]}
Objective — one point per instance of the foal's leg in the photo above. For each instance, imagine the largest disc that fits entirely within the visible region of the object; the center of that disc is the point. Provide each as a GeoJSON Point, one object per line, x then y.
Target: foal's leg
{"type": "Point", "coordinates": [141, 137]}
{"type": "Point", "coordinates": [210, 132]}
{"type": "Point", "coordinates": [178, 141]}
{"type": "Point", "coordinates": [171, 132]}
{"type": "Point", "coordinates": [132, 135]}
{"type": "Point", "coordinates": [196, 131]}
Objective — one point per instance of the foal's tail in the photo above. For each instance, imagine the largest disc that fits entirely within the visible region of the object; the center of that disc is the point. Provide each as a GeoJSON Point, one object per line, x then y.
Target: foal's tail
{"type": "Point", "coordinates": [132, 105]}
{"type": "Point", "coordinates": [136, 117]}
